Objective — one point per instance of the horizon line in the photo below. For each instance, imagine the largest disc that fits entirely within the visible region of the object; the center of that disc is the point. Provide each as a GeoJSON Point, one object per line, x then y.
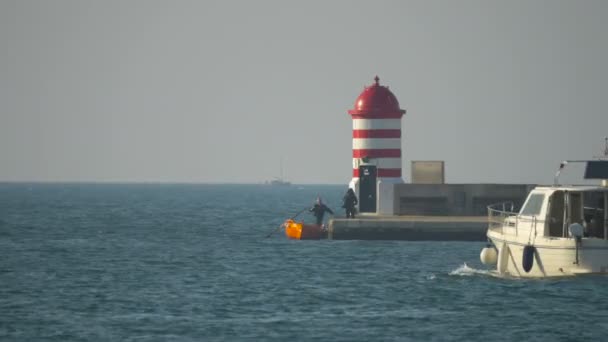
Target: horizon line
{"type": "Point", "coordinates": [102, 182]}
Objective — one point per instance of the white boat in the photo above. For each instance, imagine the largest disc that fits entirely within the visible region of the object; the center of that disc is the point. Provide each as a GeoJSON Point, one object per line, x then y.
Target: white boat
{"type": "Point", "coordinates": [559, 231]}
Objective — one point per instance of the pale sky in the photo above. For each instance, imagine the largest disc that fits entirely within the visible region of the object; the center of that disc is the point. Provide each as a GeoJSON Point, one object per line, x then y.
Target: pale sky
{"type": "Point", "coordinates": [220, 91]}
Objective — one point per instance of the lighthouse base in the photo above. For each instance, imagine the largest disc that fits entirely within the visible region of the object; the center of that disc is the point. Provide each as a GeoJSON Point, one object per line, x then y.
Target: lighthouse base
{"type": "Point", "coordinates": [384, 195]}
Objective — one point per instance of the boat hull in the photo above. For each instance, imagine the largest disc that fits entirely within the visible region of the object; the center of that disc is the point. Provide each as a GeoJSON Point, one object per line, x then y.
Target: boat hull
{"type": "Point", "coordinates": [301, 231]}
{"type": "Point", "coordinates": [552, 257]}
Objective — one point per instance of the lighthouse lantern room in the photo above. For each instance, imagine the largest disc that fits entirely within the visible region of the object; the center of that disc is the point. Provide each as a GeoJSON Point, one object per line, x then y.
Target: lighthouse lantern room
{"type": "Point", "coordinates": [376, 148]}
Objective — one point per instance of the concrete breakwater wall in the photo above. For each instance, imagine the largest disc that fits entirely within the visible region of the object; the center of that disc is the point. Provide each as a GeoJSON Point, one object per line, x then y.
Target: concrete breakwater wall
{"type": "Point", "coordinates": [420, 228]}
{"type": "Point", "coordinates": [455, 199]}
{"type": "Point", "coordinates": [440, 212]}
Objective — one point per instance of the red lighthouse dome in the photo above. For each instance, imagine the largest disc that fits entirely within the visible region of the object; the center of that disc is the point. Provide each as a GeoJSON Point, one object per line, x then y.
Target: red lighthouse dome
{"type": "Point", "coordinates": [376, 102]}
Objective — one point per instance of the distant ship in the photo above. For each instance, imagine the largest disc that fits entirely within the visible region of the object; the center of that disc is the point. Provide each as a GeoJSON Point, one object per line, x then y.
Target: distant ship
{"type": "Point", "coordinates": [279, 181]}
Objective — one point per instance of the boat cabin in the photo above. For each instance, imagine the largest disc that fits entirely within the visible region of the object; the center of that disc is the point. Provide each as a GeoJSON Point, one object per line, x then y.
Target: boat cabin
{"type": "Point", "coordinates": [556, 208]}
{"type": "Point", "coordinates": [560, 229]}
{"type": "Point", "coordinates": [551, 210]}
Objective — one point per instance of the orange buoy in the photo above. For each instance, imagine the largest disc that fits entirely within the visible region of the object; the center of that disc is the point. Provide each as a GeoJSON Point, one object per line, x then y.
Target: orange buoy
{"type": "Point", "coordinates": [301, 231]}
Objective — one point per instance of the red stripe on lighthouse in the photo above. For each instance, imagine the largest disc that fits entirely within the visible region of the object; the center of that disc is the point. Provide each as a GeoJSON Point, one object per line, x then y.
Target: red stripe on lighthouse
{"type": "Point", "coordinates": [377, 153]}
{"type": "Point", "coordinates": [376, 133]}
{"type": "Point", "coordinates": [376, 115]}
{"type": "Point", "coordinates": [382, 173]}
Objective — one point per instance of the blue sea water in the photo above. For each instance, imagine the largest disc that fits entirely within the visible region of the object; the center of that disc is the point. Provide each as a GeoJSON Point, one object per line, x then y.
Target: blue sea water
{"type": "Point", "coordinates": [160, 262]}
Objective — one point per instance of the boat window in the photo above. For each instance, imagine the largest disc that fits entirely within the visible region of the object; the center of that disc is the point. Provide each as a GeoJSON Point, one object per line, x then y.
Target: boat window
{"type": "Point", "coordinates": [596, 169]}
{"type": "Point", "coordinates": [593, 214]}
{"type": "Point", "coordinates": [533, 205]}
{"type": "Point", "coordinates": [556, 214]}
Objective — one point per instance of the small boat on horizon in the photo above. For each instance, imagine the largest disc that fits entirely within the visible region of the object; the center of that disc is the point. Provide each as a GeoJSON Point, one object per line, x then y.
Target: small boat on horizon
{"type": "Point", "coordinates": [559, 231]}
{"type": "Point", "coordinates": [279, 181]}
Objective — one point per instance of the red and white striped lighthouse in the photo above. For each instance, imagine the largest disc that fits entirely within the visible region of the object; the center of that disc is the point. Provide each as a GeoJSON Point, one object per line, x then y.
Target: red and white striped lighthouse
{"type": "Point", "coordinates": [376, 143]}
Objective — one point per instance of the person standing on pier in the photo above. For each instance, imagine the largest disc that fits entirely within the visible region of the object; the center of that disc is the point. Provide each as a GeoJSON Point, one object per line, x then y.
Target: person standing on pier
{"type": "Point", "coordinates": [349, 201]}
{"type": "Point", "coordinates": [319, 209]}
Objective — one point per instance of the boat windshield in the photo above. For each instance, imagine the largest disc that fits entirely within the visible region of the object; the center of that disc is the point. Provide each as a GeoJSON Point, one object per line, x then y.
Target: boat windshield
{"type": "Point", "coordinates": [533, 205]}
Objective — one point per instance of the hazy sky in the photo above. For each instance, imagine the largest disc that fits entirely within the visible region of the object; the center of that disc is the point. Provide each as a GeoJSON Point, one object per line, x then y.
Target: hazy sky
{"type": "Point", "coordinates": [220, 91]}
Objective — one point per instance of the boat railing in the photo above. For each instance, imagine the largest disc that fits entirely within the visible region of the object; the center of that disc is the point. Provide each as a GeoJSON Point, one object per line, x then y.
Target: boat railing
{"type": "Point", "coordinates": [498, 213]}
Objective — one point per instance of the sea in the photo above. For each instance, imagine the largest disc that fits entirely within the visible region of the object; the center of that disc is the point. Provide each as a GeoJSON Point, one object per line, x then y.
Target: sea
{"type": "Point", "coordinates": [208, 262]}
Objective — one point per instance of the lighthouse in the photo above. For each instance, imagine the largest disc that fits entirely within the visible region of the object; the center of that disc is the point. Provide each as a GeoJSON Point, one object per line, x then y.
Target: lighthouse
{"type": "Point", "coordinates": [376, 148]}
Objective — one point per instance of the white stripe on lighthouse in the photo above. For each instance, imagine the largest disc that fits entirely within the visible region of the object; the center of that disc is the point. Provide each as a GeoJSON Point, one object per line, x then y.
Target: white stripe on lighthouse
{"type": "Point", "coordinates": [381, 163]}
{"type": "Point", "coordinates": [376, 143]}
{"type": "Point", "coordinates": [376, 123]}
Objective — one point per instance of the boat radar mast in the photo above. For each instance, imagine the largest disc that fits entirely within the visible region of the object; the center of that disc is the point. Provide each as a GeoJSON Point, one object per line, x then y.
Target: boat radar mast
{"type": "Point", "coordinates": [279, 180]}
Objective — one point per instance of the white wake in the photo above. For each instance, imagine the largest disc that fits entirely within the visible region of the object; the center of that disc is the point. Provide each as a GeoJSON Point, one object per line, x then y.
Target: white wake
{"type": "Point", "coordinates": [467, 271]}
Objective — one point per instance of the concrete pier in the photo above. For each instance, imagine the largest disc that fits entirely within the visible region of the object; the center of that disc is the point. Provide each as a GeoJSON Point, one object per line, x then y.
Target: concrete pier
{"type": "Point", "coordinates": [413, 228]}
{"type": "Point", "coordinates": [428, 212]}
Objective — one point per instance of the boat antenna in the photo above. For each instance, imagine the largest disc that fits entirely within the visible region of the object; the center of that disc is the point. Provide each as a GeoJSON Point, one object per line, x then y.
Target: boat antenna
{"type": "Point", "coordinates": [605, 156]}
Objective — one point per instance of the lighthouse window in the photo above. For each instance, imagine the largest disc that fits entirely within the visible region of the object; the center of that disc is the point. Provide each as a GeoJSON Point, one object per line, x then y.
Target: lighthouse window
{"type": "Point", "coordinates": [533, 205]}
